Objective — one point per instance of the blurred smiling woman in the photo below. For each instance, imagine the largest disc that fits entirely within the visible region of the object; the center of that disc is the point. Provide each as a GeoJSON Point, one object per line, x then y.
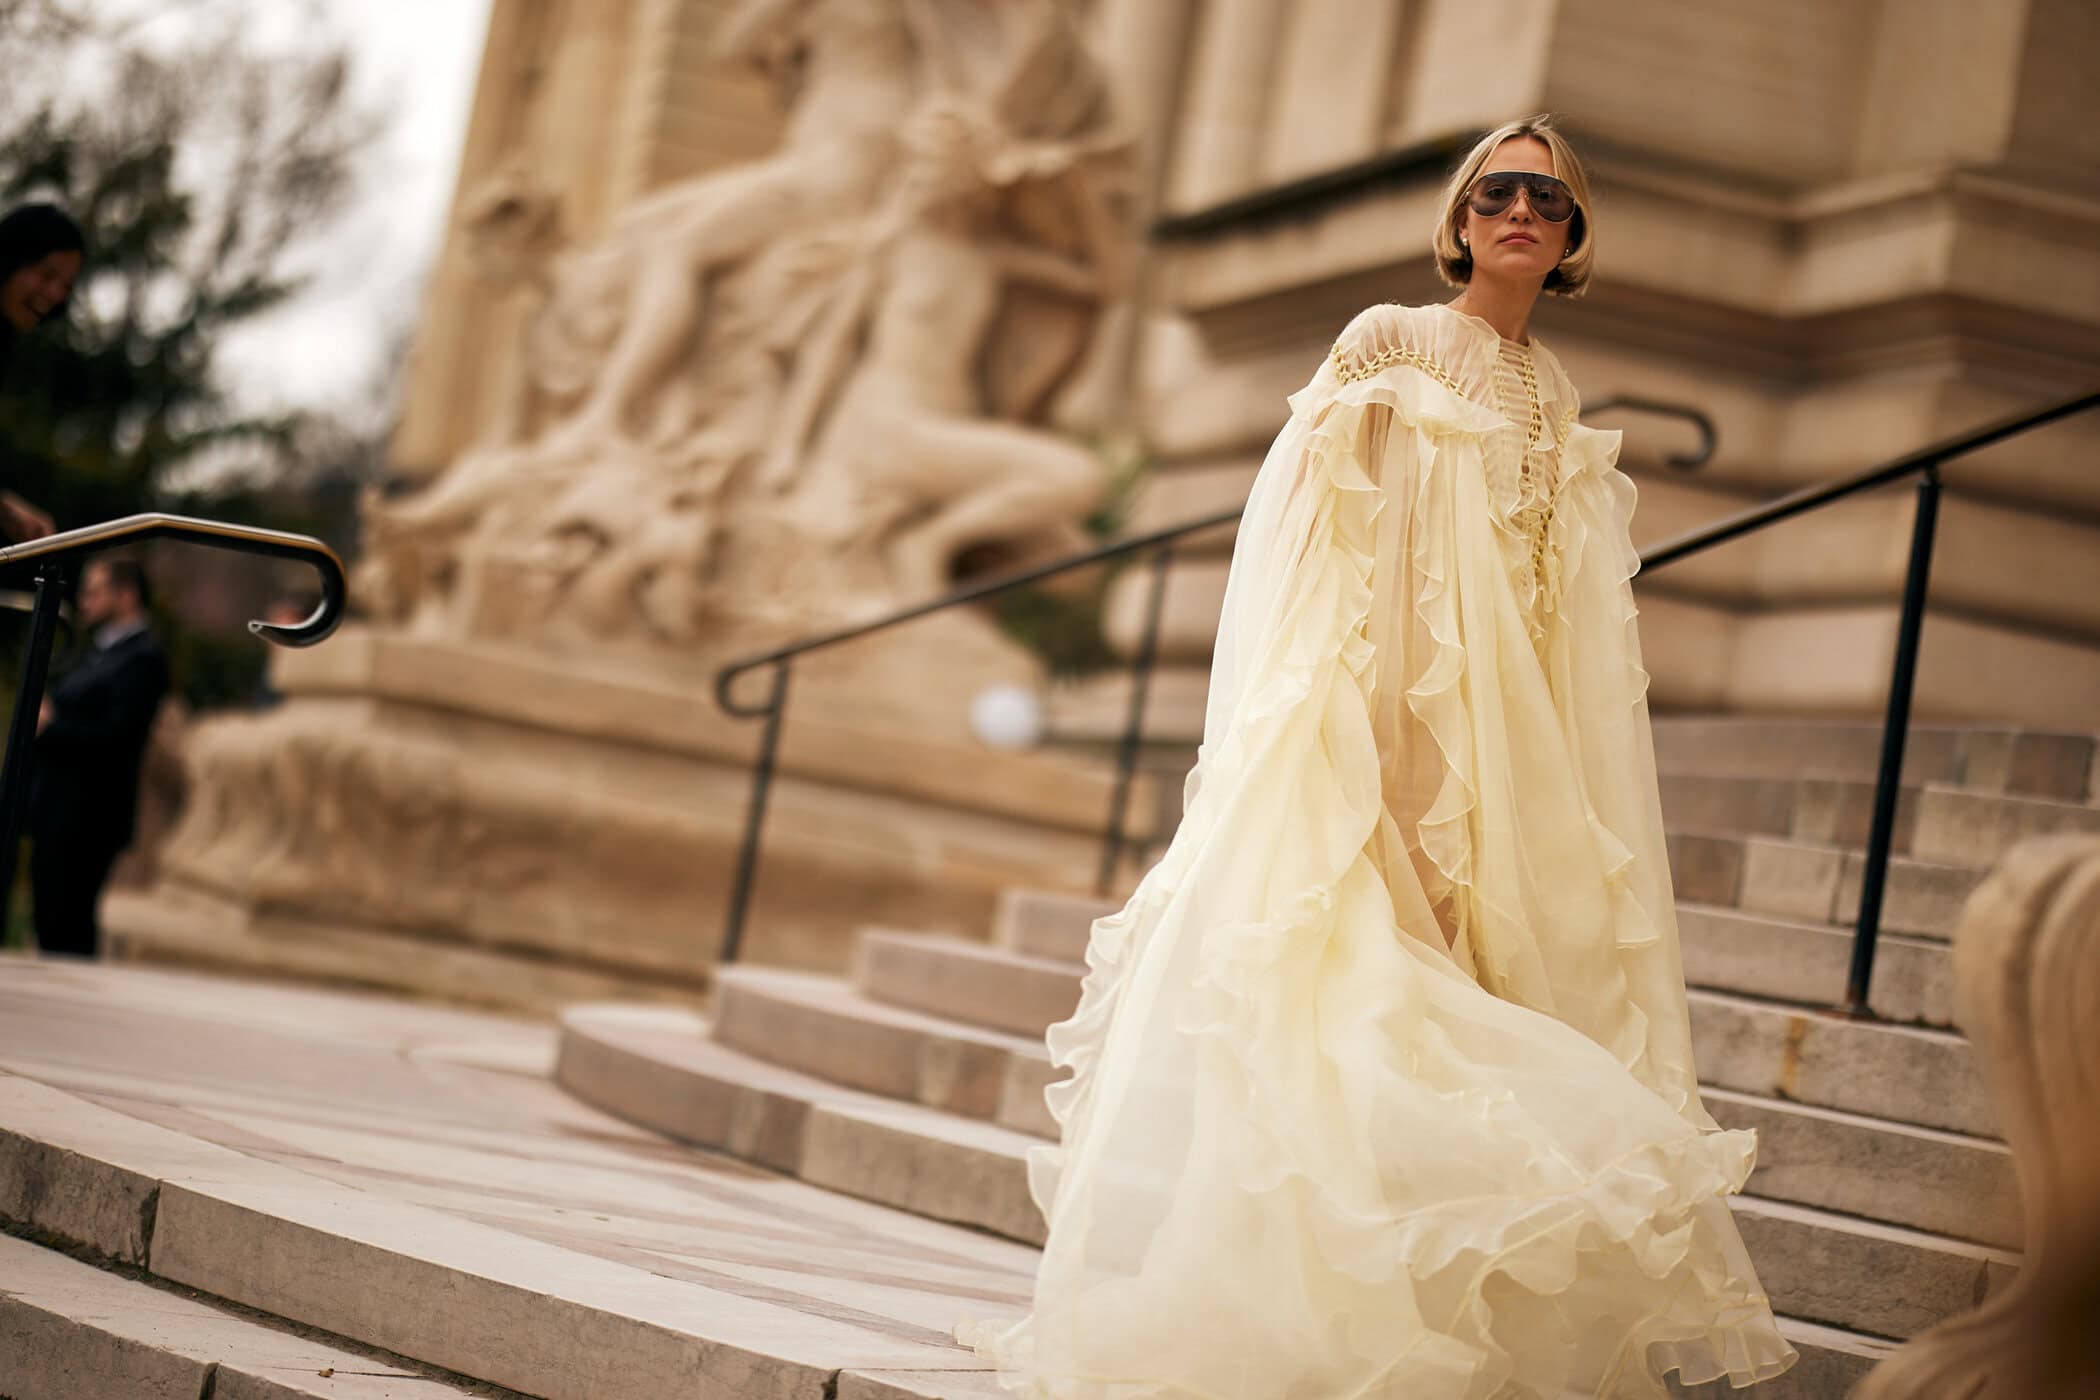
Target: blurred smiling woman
{"type": "Point", "coordinates": [41, 253]}
{"type": "Point", "coordinates": [1381, 1082]}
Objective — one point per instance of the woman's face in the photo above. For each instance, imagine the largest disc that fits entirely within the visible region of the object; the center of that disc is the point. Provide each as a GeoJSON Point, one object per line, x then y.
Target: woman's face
{"type": "Point", "coordinates": [1516, 245]}
{"type": "Point", "coordinates": [38, 289]}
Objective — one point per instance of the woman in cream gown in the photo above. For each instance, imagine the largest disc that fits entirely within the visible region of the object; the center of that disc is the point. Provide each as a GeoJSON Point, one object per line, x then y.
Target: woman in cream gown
{"type": "Point", "coordinates": [1381, 1082]}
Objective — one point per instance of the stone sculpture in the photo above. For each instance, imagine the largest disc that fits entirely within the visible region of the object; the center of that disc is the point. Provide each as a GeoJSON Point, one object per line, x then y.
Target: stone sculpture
{"type": "Point", "coordinates": [796, 389]}
{"type": "Point", "coordinates": [2027, 980]}
{"type": "Point", "coordinates": [762, 401]}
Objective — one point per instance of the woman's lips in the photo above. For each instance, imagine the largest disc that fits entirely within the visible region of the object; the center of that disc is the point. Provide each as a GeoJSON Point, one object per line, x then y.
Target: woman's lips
{"type": "Point", "coordinates": [1518, 238]}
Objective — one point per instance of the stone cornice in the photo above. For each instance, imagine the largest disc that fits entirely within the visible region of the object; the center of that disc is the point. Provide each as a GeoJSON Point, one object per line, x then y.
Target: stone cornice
{"type": "Point", "coordinates": [1897, 268]}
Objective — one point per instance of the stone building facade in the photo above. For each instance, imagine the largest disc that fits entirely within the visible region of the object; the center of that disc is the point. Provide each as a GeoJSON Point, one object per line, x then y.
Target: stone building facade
{"type": "Point", "coordinates": [1840, 231]}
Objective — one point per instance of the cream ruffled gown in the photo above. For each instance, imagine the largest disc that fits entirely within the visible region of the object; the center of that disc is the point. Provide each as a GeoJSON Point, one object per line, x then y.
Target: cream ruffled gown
{"type": "Point", "coordinates": [1312, 1150]}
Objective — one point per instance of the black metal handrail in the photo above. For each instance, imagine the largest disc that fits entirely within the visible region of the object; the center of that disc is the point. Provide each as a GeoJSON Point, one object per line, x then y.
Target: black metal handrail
{"type": "Point", "coordinates": [49, 563]}
{"type": "Point", "coordinates": [774, 703]}
{"type": "Point", "coordinates": [1925, 462]}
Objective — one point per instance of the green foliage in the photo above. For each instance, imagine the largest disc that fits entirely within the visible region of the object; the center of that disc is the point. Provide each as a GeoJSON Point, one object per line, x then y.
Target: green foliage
{"type": "Point", "coordinates": [1060, 619]}
{"type": "Point", "coordinates": [197, 167]}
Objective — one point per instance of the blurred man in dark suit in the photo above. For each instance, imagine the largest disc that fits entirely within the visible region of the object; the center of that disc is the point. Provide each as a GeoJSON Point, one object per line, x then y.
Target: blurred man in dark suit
{"type": "Point", "coordinates": [91, 739]}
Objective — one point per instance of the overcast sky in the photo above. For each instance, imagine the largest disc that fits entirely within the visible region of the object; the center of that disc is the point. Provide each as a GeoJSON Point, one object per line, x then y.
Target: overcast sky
{"type": "Point", "coordinates": [416, 61]}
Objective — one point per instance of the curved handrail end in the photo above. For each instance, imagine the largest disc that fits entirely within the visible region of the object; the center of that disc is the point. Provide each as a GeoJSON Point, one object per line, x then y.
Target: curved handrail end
{"type": "Point", "coordinates": [215, 534]}
{"type": "Point", "coordinates": [317, 628]}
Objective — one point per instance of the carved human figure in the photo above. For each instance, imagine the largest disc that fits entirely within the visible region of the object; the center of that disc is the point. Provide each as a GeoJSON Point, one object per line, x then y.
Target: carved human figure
{"type": "Point", "coordinates": [908, 456]}
{"type": "Point", "coordinates": [825, 314]}
{"type": "Point", "coordinates": [610, 319]}
{"type": "Point", "coordinates": [854, 70]}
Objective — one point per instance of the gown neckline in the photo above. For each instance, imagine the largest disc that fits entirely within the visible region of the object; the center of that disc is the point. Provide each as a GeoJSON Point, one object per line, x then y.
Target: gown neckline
{"type": "Point", "coordinates": [1488, 327]}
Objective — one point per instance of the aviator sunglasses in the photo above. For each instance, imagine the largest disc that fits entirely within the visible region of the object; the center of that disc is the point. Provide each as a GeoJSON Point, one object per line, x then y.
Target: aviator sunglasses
{"type": "Point", "coordinates": [1497, 190]}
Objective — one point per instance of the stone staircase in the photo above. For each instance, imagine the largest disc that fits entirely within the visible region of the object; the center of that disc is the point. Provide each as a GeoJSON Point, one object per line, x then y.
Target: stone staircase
{"type": "Point", "coordinates": [1882, 1202]}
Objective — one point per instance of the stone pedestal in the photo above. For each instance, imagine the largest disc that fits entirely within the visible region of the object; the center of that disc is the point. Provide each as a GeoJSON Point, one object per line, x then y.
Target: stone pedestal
{"type": "Point", "coordinates": [502, 826]}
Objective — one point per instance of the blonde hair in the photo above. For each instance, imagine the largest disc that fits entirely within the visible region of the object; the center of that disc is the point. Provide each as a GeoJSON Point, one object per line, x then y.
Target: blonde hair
{"type": "Point", "coordinates": [1455, 264]}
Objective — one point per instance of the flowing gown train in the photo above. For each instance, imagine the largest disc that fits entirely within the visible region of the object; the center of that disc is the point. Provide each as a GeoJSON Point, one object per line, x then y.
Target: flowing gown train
{"type": "Point", "coordinates": [1381, 1082]}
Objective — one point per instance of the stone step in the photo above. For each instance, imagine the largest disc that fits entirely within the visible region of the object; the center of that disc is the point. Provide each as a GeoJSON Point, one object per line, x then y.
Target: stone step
{"type": "Point", "coordinates": [909, 1156]}
{"type": "Point", "coordinates": [1730, 950]}
{"type": "Point", "coordinates": [1897, 1074]}
{"type": "Point", "coordinates": [954, 979]}
{"type": "Point", "coordinates": [656, 1067]}
{"type": "Point", "coordinates": [970, 982]}
{"type": "Point", "coordinates": [1797, 877]}
{"type": "Point", "coordinates": [1840, 1158]}
{"type": "Point", "coordinates": [1901, 1073]}
{"type": "Point", "coordinates": [519, 1265]}
{"type": "Point", "coordinates": [1821, 883]}
{"type": "Point", "coordinates": [1048, 924]}
{"type": "Point", "coordinates": [1832, 1362]}
{"type": "Point", "coordinates": [1799, 880]}
{"type": "Point", "coordinates": [1957, 825]}
{"type": "Point", "coordinates": [1097, 707]}
{"type": "Point", "coordinates": [70, 1331]}
{"type": "Point", "coordinates": [1922, 1178]}
{"type": "Point", "coordinates": [2020, 761]}
{"type": "Point", "coordinates": [669, 1071]}
{"type": "Point", "coordinates": [1862, 1275]}
{"type": "Point", "coordinates": [1829, 811]}
{"type": "Point", "coordinates": [818, 1024]}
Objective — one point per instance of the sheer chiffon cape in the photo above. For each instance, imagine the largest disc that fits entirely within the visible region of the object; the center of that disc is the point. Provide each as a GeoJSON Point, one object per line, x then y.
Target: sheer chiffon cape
{"type": "Point", "coordinates": [1381, 1082]}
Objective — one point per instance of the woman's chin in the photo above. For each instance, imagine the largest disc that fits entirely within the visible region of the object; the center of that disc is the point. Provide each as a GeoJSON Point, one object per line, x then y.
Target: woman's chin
{"type": "Point", "coordinates": [1517, 265]}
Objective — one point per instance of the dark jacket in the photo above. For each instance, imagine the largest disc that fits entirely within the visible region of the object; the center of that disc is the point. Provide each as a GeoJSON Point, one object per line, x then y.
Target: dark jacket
{"type": "Point", "coordinates": [85, 782]}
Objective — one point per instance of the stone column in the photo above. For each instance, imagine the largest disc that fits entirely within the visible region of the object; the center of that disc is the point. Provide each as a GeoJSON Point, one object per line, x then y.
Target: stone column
{"type": "Point", "coordinates": [1227, 103]}
{"type": "Point", "coordinates": [450, 375]}
{"type": "Point", "coordinates": [1334, 71]}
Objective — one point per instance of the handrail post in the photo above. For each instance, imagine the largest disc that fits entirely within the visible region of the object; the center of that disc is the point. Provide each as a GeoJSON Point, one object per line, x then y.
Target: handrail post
{"type": "Point", "coordinates": [755, 814]}
{"type": "Point", "coordinates": [1134, 723]}
{"type": "Point", "coordinates": [1895, 730]}
{"type": "Point", "coordinates": [21, 728]}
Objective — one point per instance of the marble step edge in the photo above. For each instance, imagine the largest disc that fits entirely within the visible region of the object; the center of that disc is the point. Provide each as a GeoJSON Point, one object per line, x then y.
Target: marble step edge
{"type": "Point", "coordinates": [966, 981]}
{"type": "Point", "coordinates": [1816, 881]}
{"type": "Point", "coordinates": [1780, 955]}
{"type": "Point", "coordinates": [1933, 818]}
{"type": "Point", "coordinates": [87, 1333]}
{"type": "Point", "coordinates": [811, 1026]}
{"type": "Point", "coordinates": [1833, 1360]}
{"type": "Point", "coordinates": [2058, 765]}
{"type": "Point", "coordinates": [400, 1278]}
{"type": "Point", "coordinates": [1958, 824]}
{"type": "Point", "coordinates": [657, 1069]}
{"type": "Point", "coordinates": [1776, 876]}
{"type": "Point", "coordinates": [2008, 759]}
{"type": "Point", "coordinates": [1907, 1075]}
{"type": "Point", "coordinates": [1765, 871]}
{"type": "Point", "coordinates": [789, 1016]}
{"type": "Point", "coordinates": [1904, 1073]}
{"type": "Point", "coordinates": [1780, 958]}
{"type": "Point", "coordinates": [1942, 1183]}
{"type": "Point", "coordinates": [1767, 956]}
{"type": "Point", "coordinates": [662, 1068]}
{"type": "Point", "coordinates": [80, 1332]}
{"type": "Point", "coordinates": [1936, 822]}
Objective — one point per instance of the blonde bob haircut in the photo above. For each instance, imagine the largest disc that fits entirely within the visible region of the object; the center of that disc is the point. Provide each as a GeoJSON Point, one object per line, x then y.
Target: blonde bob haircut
{"type": "Point", "coordinates": [1455, 265]}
